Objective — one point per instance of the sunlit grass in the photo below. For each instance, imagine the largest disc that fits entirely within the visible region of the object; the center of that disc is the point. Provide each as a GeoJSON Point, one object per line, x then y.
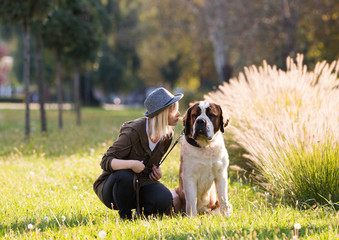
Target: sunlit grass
{"type": "Point", "coordinates": [48, 194]}
{"type": "Point", "coordinates": [288, 122]}
{"type": "Point", "coordinates": [93, 132]}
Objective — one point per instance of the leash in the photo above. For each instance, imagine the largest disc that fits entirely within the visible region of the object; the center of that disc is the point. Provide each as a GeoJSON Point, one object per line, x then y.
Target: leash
{"type": "Point", "coordinates": [175, 143]}
{"type": "Point", "coordinates": [136, 186]}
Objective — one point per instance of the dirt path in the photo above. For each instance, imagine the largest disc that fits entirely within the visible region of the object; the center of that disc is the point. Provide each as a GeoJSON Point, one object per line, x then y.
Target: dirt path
{"type": "Point", "coordinates": [34, 106]}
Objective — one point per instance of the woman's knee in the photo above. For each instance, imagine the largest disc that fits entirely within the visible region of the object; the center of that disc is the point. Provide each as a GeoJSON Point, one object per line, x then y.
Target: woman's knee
{"type": "Point", "coordinates": [125, 175]}
{"type": "Point", "coordinates": [165, 200]}
{"type": "Point", "coordinates": [156, 198]}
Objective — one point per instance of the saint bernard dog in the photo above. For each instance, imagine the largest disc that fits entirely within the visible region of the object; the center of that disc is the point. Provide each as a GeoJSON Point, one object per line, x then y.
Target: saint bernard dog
{"type": "Point", "coordinates": [203, 162]}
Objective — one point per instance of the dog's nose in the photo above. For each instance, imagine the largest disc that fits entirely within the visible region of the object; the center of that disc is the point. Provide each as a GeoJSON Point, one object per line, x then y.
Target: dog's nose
{"type": "Point", "coordinates": [201, 122]}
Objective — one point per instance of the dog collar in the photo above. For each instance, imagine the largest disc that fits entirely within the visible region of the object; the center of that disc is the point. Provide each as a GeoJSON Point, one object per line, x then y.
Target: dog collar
{"type": "Point", "coordinates": [192, 142]}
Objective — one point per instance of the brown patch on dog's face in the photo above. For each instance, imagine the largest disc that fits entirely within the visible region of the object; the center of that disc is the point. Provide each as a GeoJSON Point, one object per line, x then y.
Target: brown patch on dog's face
{"type": "Point", "coordinates": [195, 113]}
{"type": "Point", "coordinates": [214, 113]}
{"type": "Point", "coordinates": [190, 116]}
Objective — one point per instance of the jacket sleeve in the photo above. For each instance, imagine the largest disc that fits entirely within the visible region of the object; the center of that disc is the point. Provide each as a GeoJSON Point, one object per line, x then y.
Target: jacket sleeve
{"type": "Point", "coordinates": [120, 149]}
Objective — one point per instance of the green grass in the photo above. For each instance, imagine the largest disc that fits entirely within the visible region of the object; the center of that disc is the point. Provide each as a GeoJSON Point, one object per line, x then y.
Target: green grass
{"type": "Point", "coordinates": [50, 178]}
{"type": "Point", "coordinates": [308, 175]}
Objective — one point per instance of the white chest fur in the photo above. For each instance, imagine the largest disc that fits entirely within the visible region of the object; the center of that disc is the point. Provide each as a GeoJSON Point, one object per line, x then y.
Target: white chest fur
{"type": "Point", "coordinates": [215, 151]}
{"type": "Point", "coordinates": [201, 167]}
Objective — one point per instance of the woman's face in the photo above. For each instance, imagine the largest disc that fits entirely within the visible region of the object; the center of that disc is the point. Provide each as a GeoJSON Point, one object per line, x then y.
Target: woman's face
{"type": "Point", "coordinates": [173, 114]}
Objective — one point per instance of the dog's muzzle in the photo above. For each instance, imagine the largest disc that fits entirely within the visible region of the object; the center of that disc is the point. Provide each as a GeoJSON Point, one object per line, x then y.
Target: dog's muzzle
{"type": "Point", "coordinates": [201, 128]}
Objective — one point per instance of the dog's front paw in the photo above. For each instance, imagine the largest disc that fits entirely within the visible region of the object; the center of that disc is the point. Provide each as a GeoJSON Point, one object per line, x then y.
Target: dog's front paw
{"type": "Point", "coordinates": [228, 210]}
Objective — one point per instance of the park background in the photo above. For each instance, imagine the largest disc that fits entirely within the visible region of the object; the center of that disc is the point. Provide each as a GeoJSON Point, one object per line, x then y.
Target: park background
{"type": "Point", "coordinates": [122, 48]}
{"type": "Point", "coordinates": [71, 72]}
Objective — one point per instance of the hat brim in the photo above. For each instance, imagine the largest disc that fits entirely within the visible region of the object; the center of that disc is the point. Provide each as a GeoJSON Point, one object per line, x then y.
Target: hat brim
{"type": "Point", "coordinates": [176, 98]}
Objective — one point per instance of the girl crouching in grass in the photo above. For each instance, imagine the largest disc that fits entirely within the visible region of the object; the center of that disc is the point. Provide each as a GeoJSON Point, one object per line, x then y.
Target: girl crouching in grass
{"type": "Point", "coordinates": [131, 171]}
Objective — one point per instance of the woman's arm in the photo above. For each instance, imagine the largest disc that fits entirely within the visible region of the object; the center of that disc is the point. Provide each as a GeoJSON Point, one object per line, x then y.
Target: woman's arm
{"type": "Point", "coordinates": [119, 164]}
{"type": "Point", "coordinates": [119, 150]}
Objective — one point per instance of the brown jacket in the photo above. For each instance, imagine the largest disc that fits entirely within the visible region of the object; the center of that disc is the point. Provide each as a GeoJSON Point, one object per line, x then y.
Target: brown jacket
{"type": "Point", "coordinates": [132, 144]}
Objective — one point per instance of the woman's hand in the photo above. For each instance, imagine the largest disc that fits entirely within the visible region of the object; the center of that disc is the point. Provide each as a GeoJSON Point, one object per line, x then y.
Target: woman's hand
{"type": "Point", "coordinates": [156, 173]}
{"type": "Point", "coordinates": [137, 166]}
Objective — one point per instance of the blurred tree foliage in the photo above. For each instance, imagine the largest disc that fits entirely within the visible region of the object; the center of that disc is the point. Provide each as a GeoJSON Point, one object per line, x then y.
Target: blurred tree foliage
{"type": "Point", "coordinates": [172, 30]}
{"type": "Point", "coordinates": [171, 71]}
{"type": "Point", "coordinates": [319, 31]}
{"type": "Point", "coordinates": [73, 32]}
{"type": "Point", "coordinates": [215, 39]}
{"type": "Point", "coordinates": [119, 61]}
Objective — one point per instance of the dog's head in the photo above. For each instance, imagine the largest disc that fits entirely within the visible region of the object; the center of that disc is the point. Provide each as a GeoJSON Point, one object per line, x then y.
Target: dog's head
{"type": "Point", "coordinates": [203, 120]}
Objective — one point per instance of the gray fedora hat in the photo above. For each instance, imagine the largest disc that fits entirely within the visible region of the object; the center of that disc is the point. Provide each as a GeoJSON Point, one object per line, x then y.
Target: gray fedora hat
{"type": "Point", "coordinates": [158, 100]}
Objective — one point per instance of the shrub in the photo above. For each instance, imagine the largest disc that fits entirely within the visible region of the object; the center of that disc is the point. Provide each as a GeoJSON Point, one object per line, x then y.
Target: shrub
{"type": "Point", "coordinates": [288, 122]}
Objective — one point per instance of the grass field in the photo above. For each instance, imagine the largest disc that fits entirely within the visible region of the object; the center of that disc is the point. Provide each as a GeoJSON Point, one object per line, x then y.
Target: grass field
{"type": "Point", "coordinates": [46, 189]}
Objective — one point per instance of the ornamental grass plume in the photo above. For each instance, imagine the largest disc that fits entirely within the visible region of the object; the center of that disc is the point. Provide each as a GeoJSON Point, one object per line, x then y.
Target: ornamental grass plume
{"type": "Point", "coordinates": [288, 122]}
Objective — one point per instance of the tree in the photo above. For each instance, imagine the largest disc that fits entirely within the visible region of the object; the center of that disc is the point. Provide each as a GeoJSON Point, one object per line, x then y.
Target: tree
{"type": "Point", "coordinates": [37, 26]}
{"type": "Point", "coordinates": [74, 32]}
{"type": "Point", "coordinates": [172, 70]}
{"type": "Point", "coordinates": [86, 34]}
{"type": "Point", "coordinates": [23, 12]}
{"type": "Point", "coordinates": [165, 37]}
{"type": "Point", "coordinates": [211, 14]}
{"type": "Point", "coordinates": [53, 37]}
{"type": "Point", "coordinates": [57, 36]}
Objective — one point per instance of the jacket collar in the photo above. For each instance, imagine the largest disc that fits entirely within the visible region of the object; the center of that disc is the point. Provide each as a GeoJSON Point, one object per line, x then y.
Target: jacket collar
{"type": "Point", "coordinates": [139, 125]}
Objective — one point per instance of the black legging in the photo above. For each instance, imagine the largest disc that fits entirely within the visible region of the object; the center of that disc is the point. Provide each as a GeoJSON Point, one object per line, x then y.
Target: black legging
{"type": "Point", "coordinates": [118, 190]}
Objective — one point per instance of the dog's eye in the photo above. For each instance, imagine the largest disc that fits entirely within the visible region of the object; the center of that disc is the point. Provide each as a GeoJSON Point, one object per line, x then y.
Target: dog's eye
{"type": "Point", "coordinates": [194, 115]}
{"type": "Point", "coordinates": [211, 115]}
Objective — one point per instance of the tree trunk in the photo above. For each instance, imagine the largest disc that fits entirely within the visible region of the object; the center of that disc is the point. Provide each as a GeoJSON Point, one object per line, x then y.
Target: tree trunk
{"type": "Point", "coordinates": [59, 83]}
{"type": "Point", "coordinates": [214, 12]}
{"type": "Point", "coordinates": [41, 82]}
{"type": "Point", "coordinates": [227, 72]}
{"type": "Point", "coordinates": [27, 77]}
{"type": "Point", "coordinates": [219, 54]}
{"type": "Point", "coordinates": [87, 90]}
{"type": "Point", "coordinates": [289, 24]}
{"type": "Point", "coordinates": [77, 95]}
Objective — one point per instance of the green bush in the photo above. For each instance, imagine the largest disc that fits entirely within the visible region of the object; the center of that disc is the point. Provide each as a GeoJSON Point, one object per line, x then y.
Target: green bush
{"type": "Point", "coordinates": [309, 175]}
{"type": "Point", "coordinates": [11, 100]}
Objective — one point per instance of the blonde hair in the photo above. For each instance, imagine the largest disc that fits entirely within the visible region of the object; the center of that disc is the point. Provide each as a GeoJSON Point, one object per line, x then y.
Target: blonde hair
{"type": "Point", "coordinates": [158, 125]}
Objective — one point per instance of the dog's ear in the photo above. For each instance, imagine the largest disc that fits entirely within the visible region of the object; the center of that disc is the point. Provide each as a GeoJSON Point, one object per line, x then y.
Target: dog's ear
{"type": "Point", "coordinates": [186, 121]}
{"type": "Point", "coordinates": [223, 123]}
{"type": "Point", "coordinates": [226, 122]}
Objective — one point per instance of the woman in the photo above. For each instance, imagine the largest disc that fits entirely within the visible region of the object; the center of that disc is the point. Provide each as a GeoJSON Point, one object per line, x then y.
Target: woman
{"type": "Point", "coordinates": [134, 158]}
